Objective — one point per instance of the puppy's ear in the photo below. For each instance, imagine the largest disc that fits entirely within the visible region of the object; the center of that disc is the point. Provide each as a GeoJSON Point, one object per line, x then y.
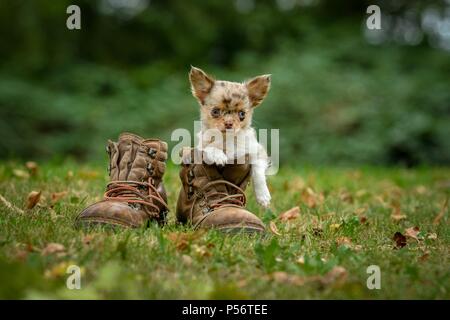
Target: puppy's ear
{"type": "Point", "coordinates": [258, 88]}
{"type": "Point", "coordinates": [201, 83]}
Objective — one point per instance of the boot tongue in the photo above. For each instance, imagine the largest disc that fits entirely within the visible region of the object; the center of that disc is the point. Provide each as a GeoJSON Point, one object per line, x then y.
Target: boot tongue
{"type": "Point", "coordinates": [237, 174]}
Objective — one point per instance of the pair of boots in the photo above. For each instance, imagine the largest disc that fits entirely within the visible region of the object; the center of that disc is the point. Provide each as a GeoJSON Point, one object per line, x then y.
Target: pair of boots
{"type": "Point", "coordinates": [210, 196]}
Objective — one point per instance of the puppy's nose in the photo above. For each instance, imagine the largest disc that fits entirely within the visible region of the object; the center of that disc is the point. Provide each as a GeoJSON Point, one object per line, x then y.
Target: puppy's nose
{"type": "Point", "coordinates": [228, 125]}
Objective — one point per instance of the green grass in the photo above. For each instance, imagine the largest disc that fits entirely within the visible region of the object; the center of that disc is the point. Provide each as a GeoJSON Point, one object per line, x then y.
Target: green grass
{"type": "Point", "coordinates": [175, 262]}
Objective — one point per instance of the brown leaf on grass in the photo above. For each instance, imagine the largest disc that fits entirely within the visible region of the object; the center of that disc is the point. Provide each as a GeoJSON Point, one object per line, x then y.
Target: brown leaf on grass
{"type": "Point", "coordinates": [421, 189]}
{"type": "Point", "coordinates": [441, 213]}
{"type": "Point", "coordinates": [397, 214]}
{"type": "Point", "coordinates": [33, 198]}
{"type": "Point", "coordinates": [312, 199]}
{"type": "Point", "coordinates": [202, 251]}
{"type": "Point", "coordinates": [412, 232]}
{"type": "Point", "coordinates": [432, 236]}
{"type": "Point", "coordinates": [21, 255]}
{"type": "Point", "coordinates": [181, 240]}
{"type": "Point", "coordinates": [9, 205]}
{"type": "Point", "coordinates": [87, 239]}
{"type": "Point", "coordinates": [382, 201]}
{"type": "Point", "coordinates": [22, 174]}
{"type": "Point", "coordinates": [53, 248]}
{"type": "Point", "coordinates": [336, 276]}
{"type": "Point", "coordinates": [295, 184]}
{"type": "Point", "coordinates": [56, 196]}
{"type": "Point", "coordinates": [58, 270]}
{"type": "Point", "coordinates": [291, 214]}
{"type": "Point", "coordinates": [292, 279]}
{"type": "Point", "coordinates": [274, 229]}
{"type": "Point", "coordinates": [32, 167]}
{"type": "Point", "coordinates": [346, 196]}
{"type": "Point", "coordinates": [343, 241]}
{"type": "Point", "coordinates": [187, 260]}
{"type": "Point", "coordinates": [424, 257]}
{"type": "Point", "coordinates": [400, 240]}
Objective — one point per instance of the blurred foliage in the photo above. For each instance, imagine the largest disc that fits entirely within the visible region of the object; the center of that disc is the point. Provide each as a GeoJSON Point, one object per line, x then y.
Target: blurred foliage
{"type": "Point", "coordinates": [336, 97]}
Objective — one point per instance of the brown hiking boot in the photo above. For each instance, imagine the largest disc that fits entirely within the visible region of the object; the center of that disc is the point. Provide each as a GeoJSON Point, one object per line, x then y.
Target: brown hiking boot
{"type": "Point", "coordinates": [213, 197]}
{"type": "Point", "coordinates": [135, 194]}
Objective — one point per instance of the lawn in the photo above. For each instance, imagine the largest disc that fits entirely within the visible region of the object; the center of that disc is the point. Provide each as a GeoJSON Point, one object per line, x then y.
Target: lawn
{"type": "Point", "coordinates": [345, 222]}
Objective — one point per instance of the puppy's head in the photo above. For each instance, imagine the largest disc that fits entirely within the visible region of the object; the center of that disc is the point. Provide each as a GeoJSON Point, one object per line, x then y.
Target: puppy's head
{"type": "Point", "coordinates": [227, 105]}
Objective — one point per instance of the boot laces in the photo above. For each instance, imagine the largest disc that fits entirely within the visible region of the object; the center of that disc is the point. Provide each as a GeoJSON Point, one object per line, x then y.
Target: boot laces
{"type": "Point", "coordinates": [217, 199]}
{"type": "Point", "coordinates": [131, 192]}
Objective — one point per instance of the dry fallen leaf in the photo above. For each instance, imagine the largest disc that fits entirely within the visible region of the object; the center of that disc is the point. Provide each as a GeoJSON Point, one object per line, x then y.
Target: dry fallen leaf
{"type": "Point", "coordinates": [335, 226]}
{"type": "Point", "coordinates": [274, 229]}
{"type": "Point", "coordinates": [32, 167]}
{"type": "Point", "coordinates": [33, 198]}
{"type": "Point", "coordinates": [201, 250]}
{"type": "Point", "coordinates": [432, 236]}
{"type": "Point", "coordinates": [56, 196]}
{"type": "Point", "coordinates": [400, 240]}
{"type": "Point", "coordinates": [421, 189]}
{"type": "Point", "coordinates": [412, 232]}
{"type": "Point", "coordinates": [346, 197]}
{"type": "Point", "coordinates": [9, 205]}
{"type": "Point", "coordinates": [53, 248]}
{"type": "Point", "coordinates": [21, 174]}
{"type": "Point", "coordinates": [441, 213]}
{"type": "Point", "coordinates": [344, 241]}
{"type": "Point", "coordinates": [291, 214]}
{"type": "Point", "coordinates": [58, 270]}
{"type": "Point", "coordinates": [397, 215]}
{"type": "Point", "coordinates": [283, 277]}
{"type": "Point", "coordinates": [424, 257]}
{"type": "Point", "coordinates": [187, 260]}
{"type": "Point", "coordinates": [336, 276]}
{"type": "Point", "coordinates": [312, 199]}
{"type": "Point", "coordinates": [295, 184]}
{"type": "Point", "coordinates": [181, 240]}
{"type": "Point", "coordinates": [87, 239]}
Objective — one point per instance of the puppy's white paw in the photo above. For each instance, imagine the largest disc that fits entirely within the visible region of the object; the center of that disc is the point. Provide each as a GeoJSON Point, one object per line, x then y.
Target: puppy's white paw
{"type": "Point", "coordinates": [263, 197]}
{"type": "Point", "coordinates": [215, 156]}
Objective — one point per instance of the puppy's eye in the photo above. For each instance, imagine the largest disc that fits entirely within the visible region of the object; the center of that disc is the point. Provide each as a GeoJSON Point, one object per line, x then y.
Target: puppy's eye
{"type": "Point", "coordinates": [215, 112]}
{"type": "Point", "coordinates": [241, 115]}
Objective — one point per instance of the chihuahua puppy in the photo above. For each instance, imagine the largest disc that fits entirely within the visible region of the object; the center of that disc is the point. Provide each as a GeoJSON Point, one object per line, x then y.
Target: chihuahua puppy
{"type": "Point", "coordinates": [226, 134]}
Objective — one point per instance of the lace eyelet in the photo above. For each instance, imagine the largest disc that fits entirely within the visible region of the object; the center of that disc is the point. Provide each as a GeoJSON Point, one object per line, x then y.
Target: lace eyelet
{"type": "Point", "coordinates": [152, 153]}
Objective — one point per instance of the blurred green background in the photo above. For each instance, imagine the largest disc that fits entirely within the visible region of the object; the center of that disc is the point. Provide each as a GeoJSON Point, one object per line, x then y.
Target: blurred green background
{"type": "Point", "coordinates": [341, 93]}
